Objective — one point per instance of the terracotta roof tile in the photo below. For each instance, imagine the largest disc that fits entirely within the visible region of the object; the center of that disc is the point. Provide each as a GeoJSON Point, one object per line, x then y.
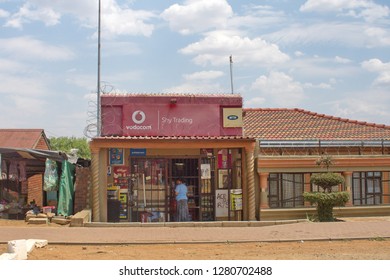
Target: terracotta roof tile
{"type": "Point", "coordinates": [20, 138]}
{"type": "Point", "coordinates": [298, 124]}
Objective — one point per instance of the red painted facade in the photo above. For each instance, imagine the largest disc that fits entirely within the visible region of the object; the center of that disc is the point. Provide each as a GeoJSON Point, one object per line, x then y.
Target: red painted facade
{"type": "Point", "coordinates": [167, 115]}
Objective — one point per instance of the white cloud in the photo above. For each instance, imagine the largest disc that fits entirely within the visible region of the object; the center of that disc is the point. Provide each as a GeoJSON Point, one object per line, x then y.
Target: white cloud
{"type": "Point", "coordinates": [342, 60]}
{"type": "Point", "coordinates": [119, 21]}
{"type": "Point", "coordinates": [203, 75]}
{"type": "Point", "coordinates": [377, 36]}
{"type": "Point", "coordinates": [365, 9]}
{"type": "Point", "coordinates": [317, 86]}
{"type": "Point", "coordinates": [23, 98]}
{"type": "Point", "coordinates": [191, 87]}
{"type": "Point", "coordinates": [279, 89]}
{"type": "Point", "coordinates": [344, 34]}
{"type": "Point", "coordinates": [116, 19]}
{"type": "Point", "coordinates": [254, 102]}
{"type": "Point", "coordinates": [217, 46]}
{"type": "Point", "coordinates": [320, 69]}
{"type": "Point", "coordinates": [4, 13]}
{"type": "Point", "coordinates": [259, 16]}
{"type": "Point", "coordinates": [199, 82]}
{"type": "Point", "coordinates": [31, 49]}
{"type": "Point", "coordinates": [120, 48]}
{"type": "Point", "coordinates": [87, 82]}
{"type": "Point", "coordinates": [29, 105]}
{"type": "Point", "coordinates": [22, 85]}
{"type": "Point", "coordinates": [27, 13]}
{"type": "Point", "coordinates": [10, 66]}
{"type": "Point", "coordinates": [364, 106]}
{"type": "Point", "coordinates": [377, 66]}
{"type": "Point", "coordinates": [198, 15]}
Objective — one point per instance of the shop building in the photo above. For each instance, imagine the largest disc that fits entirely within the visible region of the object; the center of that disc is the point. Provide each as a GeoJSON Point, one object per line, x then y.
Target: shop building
{"type": "Point", "coordinates": [33, 175]}
{"type": "Point", "coordinates": [288, 143]}
{"type": "Point", "coordinates": [149, 140]}
{"type": "Point", "coordinates": [27, 187]}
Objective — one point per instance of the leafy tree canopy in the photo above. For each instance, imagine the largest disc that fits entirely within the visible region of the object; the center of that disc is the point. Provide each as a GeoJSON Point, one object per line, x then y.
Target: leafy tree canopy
{"type": "Point", "coordinates": [66, 144]}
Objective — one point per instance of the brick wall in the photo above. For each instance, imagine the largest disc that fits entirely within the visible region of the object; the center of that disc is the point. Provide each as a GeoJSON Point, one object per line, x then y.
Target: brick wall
{"type": "Point", "coordinates": [41, 144]}
{"type": "Point", "coordinates": [35, 183]}
{"type": "Point", "coordinates": [35, 189]}
{"type": "Point", "coordinates": [83, 186]}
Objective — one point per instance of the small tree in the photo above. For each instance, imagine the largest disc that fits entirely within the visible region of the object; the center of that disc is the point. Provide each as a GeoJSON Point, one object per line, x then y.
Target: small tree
{"type": "Point", "coordinates": [66, 144]}
{"type": "Point", "coordinates": [326, 200]}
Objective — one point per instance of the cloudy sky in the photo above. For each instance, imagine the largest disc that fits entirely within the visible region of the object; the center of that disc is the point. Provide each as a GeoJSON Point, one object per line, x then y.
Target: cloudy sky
{"type": "Point", "coordinates": [327, 56]}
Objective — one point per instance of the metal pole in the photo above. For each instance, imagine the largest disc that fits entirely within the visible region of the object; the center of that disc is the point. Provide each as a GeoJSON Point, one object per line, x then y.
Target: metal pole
{"type": "Point", "coordinates": [98, 120]}
{"type": "Point", "coordinates": [231, 73]}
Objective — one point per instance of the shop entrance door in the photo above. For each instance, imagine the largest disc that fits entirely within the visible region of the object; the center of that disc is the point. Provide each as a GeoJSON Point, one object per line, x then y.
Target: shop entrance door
{"type": "Point", "coordinates": [148, 190]}
{"type": "Point", "coordinates": [152, 188]}
{"type": "Point", "coordinates": [198, 174]}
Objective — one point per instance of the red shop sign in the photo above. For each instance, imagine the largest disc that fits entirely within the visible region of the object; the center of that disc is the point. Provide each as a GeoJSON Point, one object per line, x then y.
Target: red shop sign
{"type": "Point", "coordinates": [165, 120]}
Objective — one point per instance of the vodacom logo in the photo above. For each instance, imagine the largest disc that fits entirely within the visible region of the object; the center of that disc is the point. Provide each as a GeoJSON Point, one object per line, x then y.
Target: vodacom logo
{"type": "Point", "coordinates": [138, 117]}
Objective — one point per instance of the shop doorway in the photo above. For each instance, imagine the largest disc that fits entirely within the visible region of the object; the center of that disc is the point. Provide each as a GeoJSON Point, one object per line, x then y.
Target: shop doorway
{"type": "Point", "coordinates": [148, 190]}
{"type": "Point", "coordinates": [151, 196]}
{"type": "Point", "coordinates": [198, 174]}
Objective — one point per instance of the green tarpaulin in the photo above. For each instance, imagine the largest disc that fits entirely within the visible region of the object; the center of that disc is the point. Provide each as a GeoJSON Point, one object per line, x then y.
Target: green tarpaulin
{"type": "Point", "coordinates": [66, 191]}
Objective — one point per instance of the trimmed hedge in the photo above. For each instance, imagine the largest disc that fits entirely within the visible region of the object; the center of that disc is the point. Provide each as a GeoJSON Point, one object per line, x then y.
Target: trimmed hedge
{"type": "Point", "coordinates": [325, 203]}
{"type": "Point", "coordinates": [327, 180]}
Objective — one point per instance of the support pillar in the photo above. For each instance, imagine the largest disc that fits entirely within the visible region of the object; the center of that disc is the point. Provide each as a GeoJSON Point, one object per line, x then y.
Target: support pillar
{"type": "Point", "coordinates": [264, 204]}
{"type": "Point", "coordinates": [95, 185]}
{"type": "Point", "coordinates": [250, 167]}
{"type": "Point", "coordinates": [348, 186]}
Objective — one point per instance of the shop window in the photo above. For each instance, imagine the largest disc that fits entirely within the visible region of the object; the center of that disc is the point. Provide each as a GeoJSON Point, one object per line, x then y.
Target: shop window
{"type": "Point", "coordinates": [367, 188]}
{"type": "Point", "coordinates": [285, 190]}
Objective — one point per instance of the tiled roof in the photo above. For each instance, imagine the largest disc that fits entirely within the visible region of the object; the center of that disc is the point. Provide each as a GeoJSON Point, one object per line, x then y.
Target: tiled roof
{"type": "Point", "coordinates": [298, 124]}
{"type": "Point", "coordinates": [20, 138]}
{"type": "Point", "coordinates": [173, 138]}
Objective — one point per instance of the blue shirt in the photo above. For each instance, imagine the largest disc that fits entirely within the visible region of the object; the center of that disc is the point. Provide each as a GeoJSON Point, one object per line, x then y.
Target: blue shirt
{"type": "Point", "coordinates": [181, 190]}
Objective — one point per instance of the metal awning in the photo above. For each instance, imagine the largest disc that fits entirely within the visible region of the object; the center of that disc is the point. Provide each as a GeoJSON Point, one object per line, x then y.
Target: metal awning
{"type": "Point", "coordinates": [35, 159]}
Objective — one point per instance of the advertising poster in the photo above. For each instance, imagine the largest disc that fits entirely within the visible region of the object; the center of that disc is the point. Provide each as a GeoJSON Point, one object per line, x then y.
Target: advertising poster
{"type": "Point", "coordinates": [223, 178]}
{"type": "Point", "coordinates": [221, 203]}
{"type": "Point", "coordinates": [224, 158]}
{"type": "Point", "coordinates": [116, 156]}
{"type": "Point", "coordinates": [120, 174]}
{"type": "Point", "coordinates": [236, 199]}
{"type": "Point", "coordinates": [205, 171]}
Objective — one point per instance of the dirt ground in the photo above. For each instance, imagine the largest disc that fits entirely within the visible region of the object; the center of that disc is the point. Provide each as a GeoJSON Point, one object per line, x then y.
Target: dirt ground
{"type": "Point", "coordinates": [373, 249]}
{"type": "Point", "coordinates": [340, 250]}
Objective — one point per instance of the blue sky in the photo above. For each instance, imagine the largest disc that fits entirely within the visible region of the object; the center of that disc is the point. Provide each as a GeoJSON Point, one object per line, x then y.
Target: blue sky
{"type": "Point", "coordinates": [327, 56]}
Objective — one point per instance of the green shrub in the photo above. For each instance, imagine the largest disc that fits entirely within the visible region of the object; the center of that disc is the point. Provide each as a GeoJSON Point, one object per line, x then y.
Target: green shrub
{"type": "Point", "coordinates": [325, 203]}
{"type": "Point", "coordinates": [327, 180]}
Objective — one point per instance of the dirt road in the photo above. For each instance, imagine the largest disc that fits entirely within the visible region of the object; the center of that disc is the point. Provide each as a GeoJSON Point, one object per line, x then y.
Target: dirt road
{"type": "Point", "coordinates": [312, 250]}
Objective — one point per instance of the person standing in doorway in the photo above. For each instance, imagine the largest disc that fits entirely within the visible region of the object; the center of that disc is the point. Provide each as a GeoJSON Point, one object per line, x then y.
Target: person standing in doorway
{"type": "Point", "coordinates": [182, 201]}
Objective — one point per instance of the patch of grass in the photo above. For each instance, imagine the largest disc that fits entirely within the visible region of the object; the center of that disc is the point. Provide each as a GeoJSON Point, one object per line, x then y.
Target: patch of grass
{"type": "Point", "coordinates": [378, 238]}
{"type": "Point", "coordinates": [311, 217]}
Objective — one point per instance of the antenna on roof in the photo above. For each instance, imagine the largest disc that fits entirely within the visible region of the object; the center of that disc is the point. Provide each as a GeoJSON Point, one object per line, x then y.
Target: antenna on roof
{"type": "Point", "coordinates": [231, 72]}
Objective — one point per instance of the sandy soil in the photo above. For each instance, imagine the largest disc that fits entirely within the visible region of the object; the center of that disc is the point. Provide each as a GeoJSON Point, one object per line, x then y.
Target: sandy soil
{"type": "Point", "coordinates": [341, 250]}
{"type": "Point", "coordinates": [375, 249]}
